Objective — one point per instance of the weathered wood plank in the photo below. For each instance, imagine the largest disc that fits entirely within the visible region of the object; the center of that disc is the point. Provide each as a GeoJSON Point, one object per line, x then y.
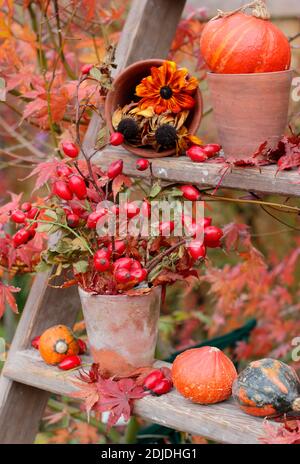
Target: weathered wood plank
{"type": "Point", "coordinates": [148, 33]}
{"type": "Point", "coordinates": [263, 179]}
{"type": "Point", "coordinates": [223, 422]}
{"type": "Point", "coordinates": [21, 406]}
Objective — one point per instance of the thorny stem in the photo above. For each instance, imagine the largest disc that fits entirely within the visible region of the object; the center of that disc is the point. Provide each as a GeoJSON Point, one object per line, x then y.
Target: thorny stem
{"type": "Point", "coordinates": [64, 226]}
{"type": "Point", "coordinates": [78, 138]}
{"type": "Point", "coordinates": [155, 261]}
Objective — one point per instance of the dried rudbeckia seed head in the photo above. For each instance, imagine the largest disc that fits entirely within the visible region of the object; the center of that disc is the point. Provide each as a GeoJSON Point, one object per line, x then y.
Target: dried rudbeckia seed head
{"type": "Point", "coordinates": [166, 135]}
{"type": "Point", "coordinates": [128, 127]}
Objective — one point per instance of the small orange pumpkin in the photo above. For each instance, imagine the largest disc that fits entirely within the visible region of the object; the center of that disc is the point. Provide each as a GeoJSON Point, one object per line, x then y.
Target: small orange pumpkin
{"type": "Point", "coordinates": [204, 375]}
{"type": "Point", "coordinates": [56, 343]}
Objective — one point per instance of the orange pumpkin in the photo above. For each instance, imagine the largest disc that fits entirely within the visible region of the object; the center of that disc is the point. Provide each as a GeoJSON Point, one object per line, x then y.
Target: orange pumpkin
{"type": "Point", "coordinates": [56, 343]}
{"type": "Point", "coordinates": [242, 43]}
{"type": "Point", "coordinates": [204, 375]}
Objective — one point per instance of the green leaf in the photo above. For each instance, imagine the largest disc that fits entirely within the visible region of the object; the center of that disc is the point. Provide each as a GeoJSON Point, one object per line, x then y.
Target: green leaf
{"type": "Point", "coordinates": [80, 243]}
{"type": "Point", "coordinates": [102, 134]}
{"type": "Point", "coordinates": [42, 266]}
{"type": "Point", "coordinates": [81, 266]}
{"type": "Point", "coordinates": [155, 190]}
{"type": "Point", "coordinates": [45, 228]}
{"type": "Point", "coordinates": [51, 214]}
{"type": "Point", "coordinates": [96, 74]}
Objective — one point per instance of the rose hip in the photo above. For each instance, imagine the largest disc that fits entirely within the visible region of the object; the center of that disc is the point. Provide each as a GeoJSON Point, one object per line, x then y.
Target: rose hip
{"type": "Point", "coordinates": [82, 346]}
{"type": "Point", "coordinates": [21, 237]}
{"type": "Point", "coordinates": [70, 149]}
{"type": "Point", "coordinates": [115, 169]}
{"type": "Point", "coordinates": [142, 164]}
{"type": "Point", "coordinates": [190, 192]}
{"type": "Point", "coordinates": [197, 154]}
{"type": "Point", "coordinates": [153, 379]}
{"type": "Point", "coordinates": [61, 189]}
{"type": "Point", "coordinates": [77, 186]}
{"type": "Point", "coordinates": [70, 362]}
{"type": "Point", "coordinates": [18, 216]}
{"type": "Point", "coordinates": [116, 139]}
{"type": "Point", "coordinates": [164, 386]}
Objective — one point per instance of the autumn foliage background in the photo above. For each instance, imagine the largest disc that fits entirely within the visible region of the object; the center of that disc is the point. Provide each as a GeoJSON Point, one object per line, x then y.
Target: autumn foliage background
{"type": "Point", "coordinates": [43, 44]}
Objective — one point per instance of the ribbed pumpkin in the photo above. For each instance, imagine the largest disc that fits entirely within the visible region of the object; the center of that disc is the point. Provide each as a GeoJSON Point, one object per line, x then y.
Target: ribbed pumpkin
{"type": "Point", "coordinates": [56, 343]}
{"type": "Point", "coordinates": [267, 387]}
{"type": "Point", "coordinates": [204, 375]}
{"type": "Point", "coordinates": [241, 43]}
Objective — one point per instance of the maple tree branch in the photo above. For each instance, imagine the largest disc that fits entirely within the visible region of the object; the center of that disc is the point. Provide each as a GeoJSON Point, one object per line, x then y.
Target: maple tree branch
{"type": "Point", "coordinates": [60, 49]}
{"type": "Point", "coordinates": [13, 133]}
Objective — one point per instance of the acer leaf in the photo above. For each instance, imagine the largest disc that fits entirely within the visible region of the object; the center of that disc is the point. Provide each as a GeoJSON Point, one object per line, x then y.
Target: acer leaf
{"type": "Point", "coordinates": [8, 207]}
{"type": "Point", "coordinates": [235, 235]}
{"type": "Point", "coordinates": [287, 433]}
{"type": "Point", "coordinates": [44, 172]}
{"type": "Point", "coordinates": [117, 397]}
{"type": "Point", "coordinates": [6, 297]}
{"type": "Point", "coordinates": [87, 392]}
{"type": "Point", "coordinates": [119, 182]}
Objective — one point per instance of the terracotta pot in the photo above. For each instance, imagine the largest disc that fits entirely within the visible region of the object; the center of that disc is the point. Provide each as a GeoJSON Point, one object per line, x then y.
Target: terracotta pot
{"type": "Point", "coordinates": [123, 92]}
{"type": "Point", "coordinates": [122, 329]}
{"type": "Point", "coordinates": [250, 109]}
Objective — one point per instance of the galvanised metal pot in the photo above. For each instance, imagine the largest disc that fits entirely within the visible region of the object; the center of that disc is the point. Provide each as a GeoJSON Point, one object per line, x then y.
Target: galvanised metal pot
{"type": "Point", "coordinates": [250, 109]}
{"type": "Point", "coordinates": [122, 330]}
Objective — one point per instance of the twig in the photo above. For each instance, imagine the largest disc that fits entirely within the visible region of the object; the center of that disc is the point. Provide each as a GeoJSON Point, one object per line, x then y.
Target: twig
{"type": "Point", "coordinates": [11, 131]}
{"type": "Point", "coordinates": [155, 261]}
{"type": "Point", "coordinates": [61, 43]}
{"type": "Point", "coordinates": [294, 37]}
{"type": "Point", "coordinates": [286, 208]}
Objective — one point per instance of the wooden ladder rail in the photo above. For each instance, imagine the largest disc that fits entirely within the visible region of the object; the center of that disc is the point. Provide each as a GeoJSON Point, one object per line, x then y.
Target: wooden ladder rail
{"type": "Point", "coordinates": [148, 33]}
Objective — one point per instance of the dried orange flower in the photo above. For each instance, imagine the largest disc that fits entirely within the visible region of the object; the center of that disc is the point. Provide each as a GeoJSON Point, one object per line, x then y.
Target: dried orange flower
{"type": "Point", "coordinates": [167, 89]}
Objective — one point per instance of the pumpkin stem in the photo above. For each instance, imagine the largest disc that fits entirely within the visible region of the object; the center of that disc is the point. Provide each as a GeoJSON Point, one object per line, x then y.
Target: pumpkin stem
{"type": "Point", "coordinates": [259, 8]}
{"type": "Point", "coordinates": [296, 404]}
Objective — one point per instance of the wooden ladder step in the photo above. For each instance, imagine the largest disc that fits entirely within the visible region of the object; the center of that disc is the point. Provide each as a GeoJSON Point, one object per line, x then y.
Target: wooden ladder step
{"type": "Point", "coordinates": [264, 179]}
{"type": "Point", "coordinates": [222, 422]}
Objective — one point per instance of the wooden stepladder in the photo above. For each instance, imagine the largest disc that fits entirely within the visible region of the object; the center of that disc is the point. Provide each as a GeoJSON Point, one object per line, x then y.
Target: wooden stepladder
{"type": "Point", "coordinates": [26, 382]}
{"type": "Point", "coordinates": [148, 33]}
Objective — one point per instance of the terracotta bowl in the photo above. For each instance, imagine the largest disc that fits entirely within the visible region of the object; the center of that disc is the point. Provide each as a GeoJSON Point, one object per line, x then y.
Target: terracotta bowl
{"type": "Point", "coordinates": [123, 93]}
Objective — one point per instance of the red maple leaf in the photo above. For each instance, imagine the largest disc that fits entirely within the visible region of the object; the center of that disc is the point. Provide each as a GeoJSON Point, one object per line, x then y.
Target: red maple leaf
{"type": "Point", "coordinates": [235, 235]}
{"type": "Point", "coordinates": [119, 182]}
{"type": "Point", "coordinates": [8, 207]}
{"type": "Point", "coordinates": [117, 397]}
{"type": "Point", "coordinates": [44, 172]}
{"type": "Point", "coordinates": [6, 297]}
{"type": "Point", "coordinates": [287, 433]}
